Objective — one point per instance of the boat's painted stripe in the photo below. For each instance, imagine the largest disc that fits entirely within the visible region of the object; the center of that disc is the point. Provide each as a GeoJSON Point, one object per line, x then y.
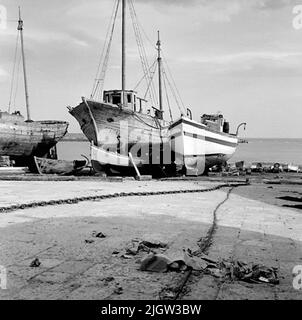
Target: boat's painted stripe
{"type": "Point", "coordinates": [206, 138]}
{"type": "Point", "coordinates": [205, 155]}
{"type": "Point", "coordinates": [200, 126]}
{"type": "Point", "coordinates": [225, 143]}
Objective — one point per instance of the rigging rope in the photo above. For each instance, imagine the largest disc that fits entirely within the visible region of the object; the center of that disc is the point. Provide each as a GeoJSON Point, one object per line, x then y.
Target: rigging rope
{"type": "Point", "coordinates": [147, 124]}
{"type": "Point", "coordinates": [167, 96]}
{"type": "Point", "coordinates": [141, 28]}
{"type": "Point", "coordinates": [170, 73]}
{"type": "Point", "coordinates": [174, 89]}
{"type": "Point", "coordinates": [106, 59]}
{"type": "Point", "coordinates": [149, 71]}
{"type": "Point", "coordinates": [173, 93]}
{"type": "Point", "coordinates": [150, 81]}
{"type": "Point", "coordinates": [13, 74]}
{"type": "Point", "coordinates": [100, 75]}
{"type": "Point", "coordinates": [144, 76]}
{"type": "Point", "coordinates": [142, 51]}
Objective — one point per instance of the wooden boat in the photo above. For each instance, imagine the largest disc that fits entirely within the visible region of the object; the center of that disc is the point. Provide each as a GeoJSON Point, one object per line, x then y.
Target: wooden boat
{"type": "Point", "coordinates": [21, 139]}
{"type": "Point", "coordinates": [61, 167]}
{"type": "Point", "coordinates": [291, 168]}
{"type": "Point", "coordinates": [117, 122]}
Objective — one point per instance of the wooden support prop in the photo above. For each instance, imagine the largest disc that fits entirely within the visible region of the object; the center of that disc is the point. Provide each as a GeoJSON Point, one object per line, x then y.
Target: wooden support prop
{"type": "Point", "coordinates": [134, 165]}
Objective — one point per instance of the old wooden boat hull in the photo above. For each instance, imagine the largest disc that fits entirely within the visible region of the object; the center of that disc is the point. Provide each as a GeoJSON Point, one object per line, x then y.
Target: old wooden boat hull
{"type": "Point", "coordinates": [61, 167]}
{"type": "Point", "coordinates": [20, 139]}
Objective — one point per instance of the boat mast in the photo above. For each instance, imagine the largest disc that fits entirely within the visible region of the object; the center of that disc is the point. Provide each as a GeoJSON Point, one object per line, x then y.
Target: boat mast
{"type": "Point", "coordinates": [123, 50]}
{"type": "Point", "coordinates": [159, 76]}
{"type": "Point", "coordinates": [20, 28]}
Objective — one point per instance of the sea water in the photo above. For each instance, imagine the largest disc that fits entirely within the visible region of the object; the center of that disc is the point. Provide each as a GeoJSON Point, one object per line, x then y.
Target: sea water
{"type": "Point", "coordinates": [270, 150]}
{"type": "Point", "coordinates": [256, 150]}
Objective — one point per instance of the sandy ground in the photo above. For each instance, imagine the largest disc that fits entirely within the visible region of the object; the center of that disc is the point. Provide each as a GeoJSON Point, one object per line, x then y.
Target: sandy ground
{"type": "Point", "coordinates": [253, 226]}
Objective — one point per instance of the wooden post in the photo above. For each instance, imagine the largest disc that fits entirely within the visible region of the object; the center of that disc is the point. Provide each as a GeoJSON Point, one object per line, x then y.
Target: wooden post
{"type": "Point", "coordinates": [134, 165]}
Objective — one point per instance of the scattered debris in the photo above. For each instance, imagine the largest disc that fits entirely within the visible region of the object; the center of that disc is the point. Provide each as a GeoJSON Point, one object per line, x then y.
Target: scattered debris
{"type": "Point", "coordinates": [35, 263]}
{"type": "Point", "coordinates": [107, 280]}
{"type": "Point", "coordinates": [240, 168]}
{"type": "Point", "coordinates": [98, 234]}
{"type": "Point", "coordinates": [255, 273]}
{"type": "Point", "coordinates": [167, 294]}
{"type": "Point", "coordinates": [133, 248]}
{"type": "Point", "coordinates": [142, 245]}
{"type": "Point", "coordinates": [155, 263]}
{"type": "Point", "coordinates": [154, 244]}
{"type": "Point", "coordinates": [233, 270]}
{"type": "Point", "coordinates": [276, 168]}
{"type": "Point", "coordinates": [126, 256]}
{"type": "Point", "coordinates": [118, 290]}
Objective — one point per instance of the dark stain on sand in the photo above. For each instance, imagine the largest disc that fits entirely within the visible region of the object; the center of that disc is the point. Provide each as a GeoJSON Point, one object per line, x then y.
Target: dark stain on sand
{"type": "Point", "coordinates": [289, 198]}
{"type": "Point", "coordinates": [293, 199]}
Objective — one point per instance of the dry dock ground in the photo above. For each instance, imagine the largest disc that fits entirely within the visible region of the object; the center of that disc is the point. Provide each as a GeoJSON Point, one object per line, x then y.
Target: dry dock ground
{"type": "Point", "coordinates": [252, 226]}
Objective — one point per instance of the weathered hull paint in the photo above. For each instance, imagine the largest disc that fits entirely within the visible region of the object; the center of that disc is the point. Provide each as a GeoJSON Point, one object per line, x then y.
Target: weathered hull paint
{"type": "Point", "coordinates": [105, 124]}
{"type": "Point", "coordinates": [27, 139]}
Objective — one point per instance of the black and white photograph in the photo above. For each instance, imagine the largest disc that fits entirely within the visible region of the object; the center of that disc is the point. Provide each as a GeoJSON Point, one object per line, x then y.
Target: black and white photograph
{"type": "Point", "coordinates": [150, 150]}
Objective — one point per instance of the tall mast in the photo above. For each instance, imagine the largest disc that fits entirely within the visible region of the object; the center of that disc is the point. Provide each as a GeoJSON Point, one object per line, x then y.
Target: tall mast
{"type": "Point", "coordinates": [159, 74]}
{"type": "Point", "coordinates": [20, 28]}
{"type": "Point", "coordinates": [123, 50]}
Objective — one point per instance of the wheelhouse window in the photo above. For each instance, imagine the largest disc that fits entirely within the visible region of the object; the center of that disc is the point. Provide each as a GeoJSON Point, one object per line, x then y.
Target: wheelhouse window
{"type": "Point", "coordinates": [116, 98]}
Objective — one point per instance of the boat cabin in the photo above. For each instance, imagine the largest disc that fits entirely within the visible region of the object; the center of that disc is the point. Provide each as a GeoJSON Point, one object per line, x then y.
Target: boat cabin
{"type": "Point", "coordinates": [14, 117]}
{"type": "Point", "coordinates": [132, 101]}
{"type": "Point", "coordinates": [215, 122]}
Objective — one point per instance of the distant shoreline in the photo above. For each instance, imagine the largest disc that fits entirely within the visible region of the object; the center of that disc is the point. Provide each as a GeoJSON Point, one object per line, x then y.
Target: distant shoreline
{"type": "Point", "coordinates": [80, 137]}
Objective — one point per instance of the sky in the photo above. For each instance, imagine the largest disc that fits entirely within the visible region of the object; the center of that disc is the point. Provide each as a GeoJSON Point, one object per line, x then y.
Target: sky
{"type": "Point", "coordinates": [239, 57]}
